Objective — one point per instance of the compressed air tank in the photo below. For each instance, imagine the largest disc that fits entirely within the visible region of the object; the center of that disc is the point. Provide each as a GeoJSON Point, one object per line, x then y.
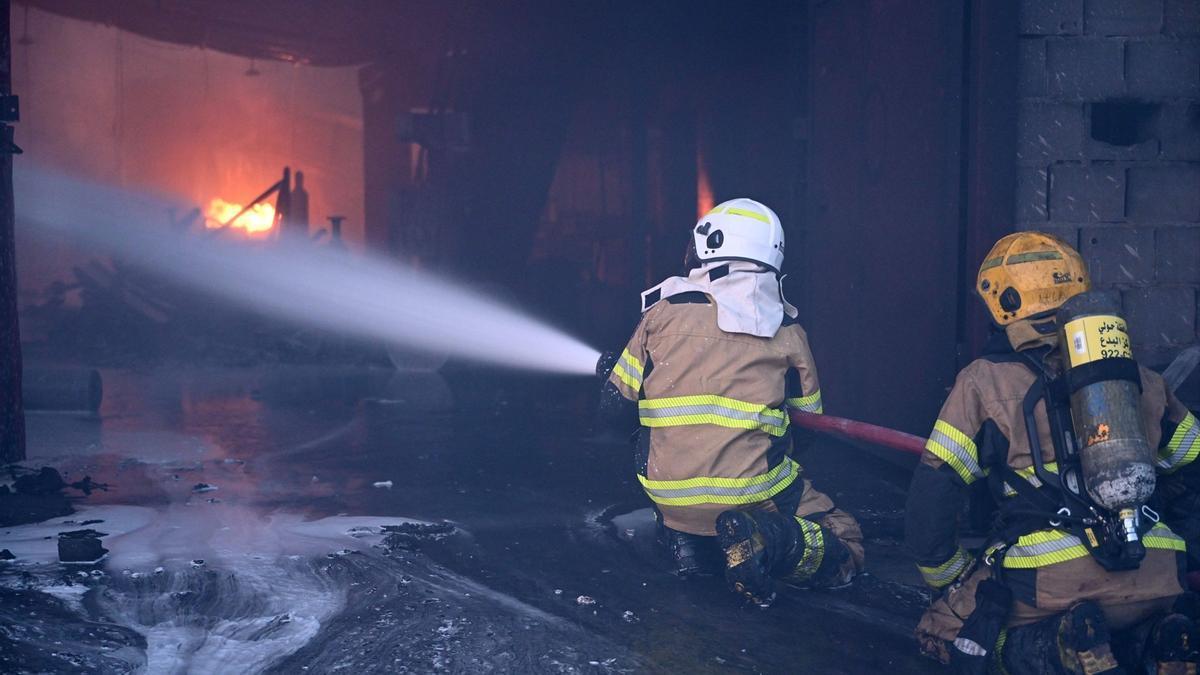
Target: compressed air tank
{"type": "Point", "coordinates": [1117, 462]}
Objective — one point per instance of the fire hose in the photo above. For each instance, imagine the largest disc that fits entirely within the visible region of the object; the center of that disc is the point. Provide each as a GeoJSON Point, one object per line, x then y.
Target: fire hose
{"type": "Point", "coordinates": [860, 431]}
{"type": "Point", "coordinates": [1179, 370]}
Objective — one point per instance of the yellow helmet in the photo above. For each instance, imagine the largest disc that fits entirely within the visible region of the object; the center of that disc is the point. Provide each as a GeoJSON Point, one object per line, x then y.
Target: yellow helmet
{"type": "Point", "coordinates": [1029, 273]}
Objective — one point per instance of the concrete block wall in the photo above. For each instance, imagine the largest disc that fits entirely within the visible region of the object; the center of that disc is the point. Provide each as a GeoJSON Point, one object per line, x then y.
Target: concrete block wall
{"type": "Point", "coordinates": [1108, 154]}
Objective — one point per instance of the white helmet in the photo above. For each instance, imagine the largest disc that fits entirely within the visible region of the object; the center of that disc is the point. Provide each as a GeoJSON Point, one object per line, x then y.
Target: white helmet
{"type": "Point", "coordinates": [740, 229]}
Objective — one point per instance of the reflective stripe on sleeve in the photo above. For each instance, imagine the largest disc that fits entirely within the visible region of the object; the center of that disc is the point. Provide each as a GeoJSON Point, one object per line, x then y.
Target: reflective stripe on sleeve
{"type": "Point", "coordinates": [1183, 447]}
{"type": "Point", "coordinates": [810, 403]}
{"type": "Point", "coordinates": [1044, 547]}
{"type": "Point", "coordinates": [679, 411]}
{"type": "Point", "coordinates": [717, 490]}
{"type": "Point", "coordinates": [629, 370]}
{"type": "Point", "coordinates": [956, 449]}
{"type": "Point", "coordinates": [943, 575]}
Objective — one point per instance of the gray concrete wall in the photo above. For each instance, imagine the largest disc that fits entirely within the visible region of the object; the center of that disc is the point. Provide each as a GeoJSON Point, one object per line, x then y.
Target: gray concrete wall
{"type": "Point", "coordinates": [1108, 154]}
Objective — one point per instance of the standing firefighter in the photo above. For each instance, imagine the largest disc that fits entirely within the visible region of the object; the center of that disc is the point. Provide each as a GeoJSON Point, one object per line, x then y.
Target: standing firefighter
{"type": "Point", "coordinates": [1078, 575]}
{"type": "Point", "coordinates": [710, 373]}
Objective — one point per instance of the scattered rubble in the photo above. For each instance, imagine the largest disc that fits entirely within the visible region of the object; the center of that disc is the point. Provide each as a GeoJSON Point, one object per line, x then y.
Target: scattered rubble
{"type": "Point", "coordinates": [81, 546]}
{"type": "Point", "coordinates": [33, 497]}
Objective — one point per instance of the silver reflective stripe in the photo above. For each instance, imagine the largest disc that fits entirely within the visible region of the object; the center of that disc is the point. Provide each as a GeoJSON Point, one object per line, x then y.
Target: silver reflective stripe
{"type": "Point", "coordinates": [948, 571]}
{"type": "Point", "coordinates": [1161, 531]}
{"type": "Point", "coordinates": [969, 647]}
{"type": "Point", "coordinates": [713, 409]}
{"type": "Point", "coordinates": [1185, 445]}
{"type": "Point", "coordinates": [785, 473]}
{"type": "Point", "coordinates": [629, 366]}
{"type": "Point", "coordinates": [813, 407]}
{"type": "Point", "coordinates": [965, 456]}
{"type": "Point", "coordinates": [1042, 548]}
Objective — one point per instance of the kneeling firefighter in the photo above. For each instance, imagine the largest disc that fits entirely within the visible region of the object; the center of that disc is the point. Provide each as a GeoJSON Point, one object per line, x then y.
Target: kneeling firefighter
{"type": "Point", "coordinates": [708, 378]}
{"type": "Point", "coordinates": [1079, 574]}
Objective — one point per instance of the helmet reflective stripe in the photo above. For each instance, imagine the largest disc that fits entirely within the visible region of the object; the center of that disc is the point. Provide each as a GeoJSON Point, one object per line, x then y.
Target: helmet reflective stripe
{"type": "Point", "coordinates": [740, 229]}
{"type": "Point", "coordinates": [749, 214]}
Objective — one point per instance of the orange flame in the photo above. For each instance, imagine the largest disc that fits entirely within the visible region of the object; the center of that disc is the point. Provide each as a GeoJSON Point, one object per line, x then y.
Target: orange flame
{"type": "Point", "coordinates": [258, 220]}
{"type": "Point", "coordinates": [704, 190]}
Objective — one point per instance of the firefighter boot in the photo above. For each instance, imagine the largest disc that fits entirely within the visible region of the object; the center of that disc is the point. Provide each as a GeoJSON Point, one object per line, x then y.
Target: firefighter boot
{"type": "Point", "coordinates": [1173, 644]}
{"type": "Point", "coordinates": [685, 552]}
{"type": "Point", "coordinates": [761, 546]}
{"type": "Point", "coordinates": [753, 542]}
{"type": "Point", "coordinates": [1083, 641]}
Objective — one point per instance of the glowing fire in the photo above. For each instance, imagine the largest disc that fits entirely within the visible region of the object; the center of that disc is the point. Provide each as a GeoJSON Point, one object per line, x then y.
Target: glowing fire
{"type": "Point", "coordinates": [704, 191]}
{"type": "Point", "coordinates": [259, 219]}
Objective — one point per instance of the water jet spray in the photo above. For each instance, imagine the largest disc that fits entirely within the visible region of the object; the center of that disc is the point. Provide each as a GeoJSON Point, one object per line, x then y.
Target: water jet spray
{"type": "Point", "coordinates": [360, 295]}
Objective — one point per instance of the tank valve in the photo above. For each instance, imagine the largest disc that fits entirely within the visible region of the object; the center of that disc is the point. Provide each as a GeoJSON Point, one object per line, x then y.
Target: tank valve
{"type": "Point", "coordinates": [1129, 523]}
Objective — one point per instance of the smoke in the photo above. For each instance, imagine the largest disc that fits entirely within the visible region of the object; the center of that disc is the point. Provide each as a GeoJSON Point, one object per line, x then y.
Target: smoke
{"type": "Point", "coordinates": [363, 296]}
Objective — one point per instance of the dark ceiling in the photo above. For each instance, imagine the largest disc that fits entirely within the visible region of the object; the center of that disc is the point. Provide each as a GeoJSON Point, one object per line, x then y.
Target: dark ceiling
{"type": "Point", "coordinates": [317, 32]}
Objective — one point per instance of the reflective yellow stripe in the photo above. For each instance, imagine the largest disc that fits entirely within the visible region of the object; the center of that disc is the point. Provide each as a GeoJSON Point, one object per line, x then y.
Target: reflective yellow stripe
{"type": "Point", "coordinates": [629, 370]}
{"type": "Point", "coordinates": [814, 551]}
{"type": "Point", "coordinates": [1033, 256]}
{"type": "Point", "coordinates": [943, 575]}
{"type": "Point", "coordinates": [721, 411]}
{"type": "Point", "coordinates": [1029, 473]}
{"type": "Point", "coordinates": [625, 377]}
{"type": "Point", "coordinates": [1160, 536]}
{"type": "Point", "coordinates": [707, 399]}
{"type": "Point", "coordinates": [956, 449]}
{"type": "Point", "coordinates": [1048, 547]}
{"type": "Point", "coordinates": [998, 655]}
{"type": "Point", "coordinates": [762, 217]}
{"type": "Point", "coordinates": [1183, 447]}
{"type": "Point", "coordinates": [633, 361]}
{"type": "Point", "coordinates": [1042, 548]}
{"type": "Point", "coordinates": [810, 403]}
{"type": "Point", "coordinates": [719, 490]}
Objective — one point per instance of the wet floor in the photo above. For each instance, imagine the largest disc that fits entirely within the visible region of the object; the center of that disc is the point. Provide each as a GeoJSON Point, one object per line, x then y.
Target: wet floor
{"type": "Point", "coordinates": [293, 563]}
